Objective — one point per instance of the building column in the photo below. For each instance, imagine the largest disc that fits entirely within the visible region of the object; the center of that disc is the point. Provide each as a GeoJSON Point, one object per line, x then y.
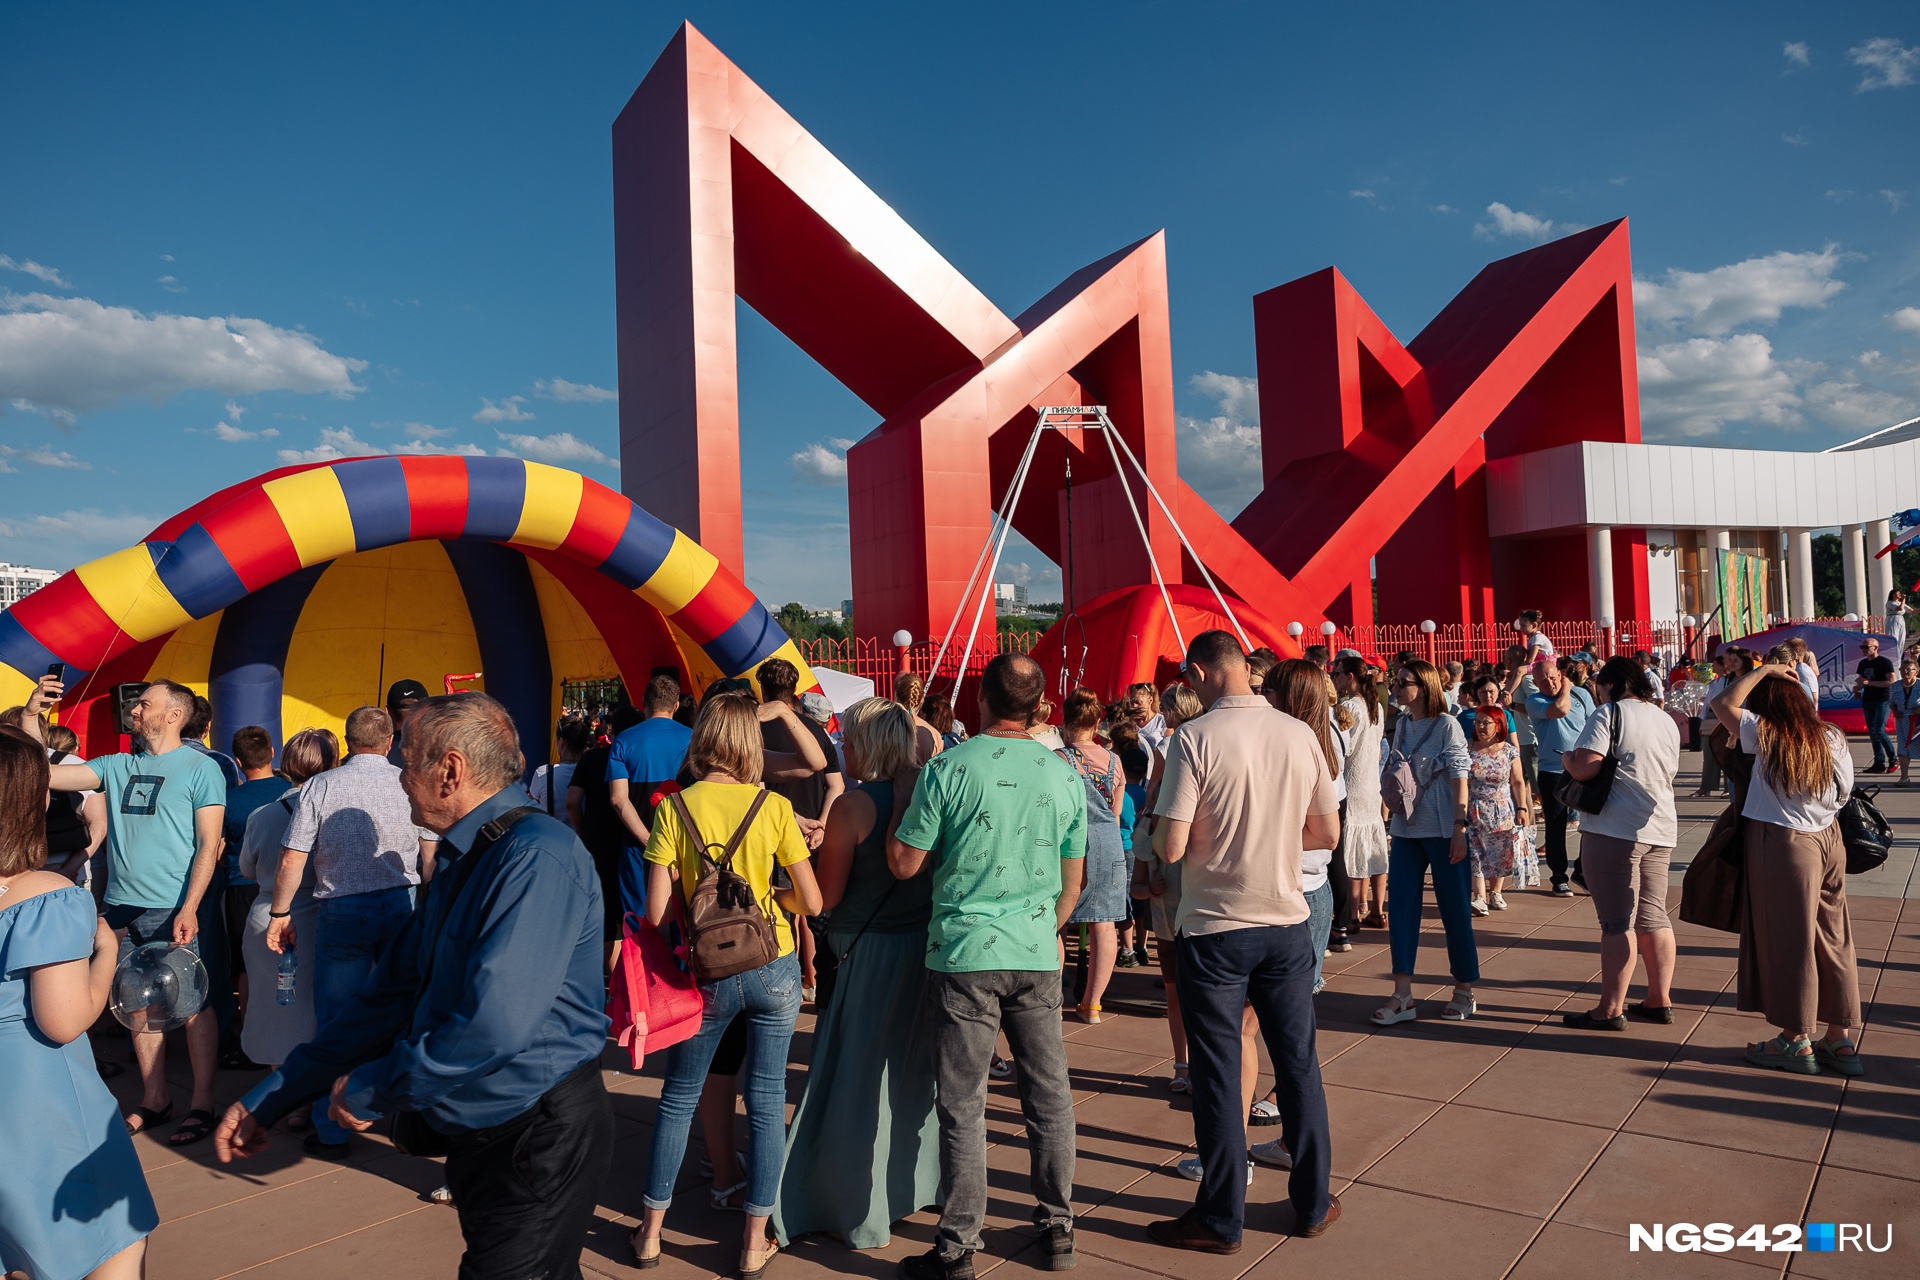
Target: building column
{"type": "Point", "coordinates": [1800, 571]}
{"type": "Point", "coordinates": [1600, 571]}
{"type": "Point", "coordinates": [1853, 568]}
{"type": "Point", "coordinates": [1879, 572]}
{"type": "Point", "coordinates": [1777, 572]}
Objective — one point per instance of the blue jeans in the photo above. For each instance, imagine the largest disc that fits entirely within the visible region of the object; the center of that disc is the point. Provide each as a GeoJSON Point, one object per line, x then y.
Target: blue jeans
{"type": "Point", "coordinates": [1407, 861]}
{"type": "Point", "coordinates": [1883, 752]}
{"type": "Point", "coordinates": [770, 997]}
{"type": "Point", "coordinates": [1218, 974]}
{"type": "Point", "coordinates": [1320, 925]}
{"type": "Point", "coordinates": [349, 935]}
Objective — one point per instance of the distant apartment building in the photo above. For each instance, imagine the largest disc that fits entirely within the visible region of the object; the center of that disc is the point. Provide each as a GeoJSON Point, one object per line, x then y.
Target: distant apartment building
{"type": "Point", "coordinates": [17, 582]}
{"type": "Point", "coordinates": [1009, 599]}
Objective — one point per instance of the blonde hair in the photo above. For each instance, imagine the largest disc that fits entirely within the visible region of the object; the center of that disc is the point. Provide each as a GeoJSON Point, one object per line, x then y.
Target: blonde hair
{"type": "Point", "coordinates": [308, 752]}
{"type": "Point", "coordinates": [879, 737]}
{"type": "Point", "coordinates": [1041, 713]}
{"type": "Point", "coordinates": [726, 738]}
{"type": "Point", "coordinates": [909, 690]}
{"type": "Point", "coordinates": [1177, 700]}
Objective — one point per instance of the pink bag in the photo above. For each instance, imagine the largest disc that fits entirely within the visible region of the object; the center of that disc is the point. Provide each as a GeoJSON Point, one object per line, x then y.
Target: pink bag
{"type": "Point", "coordinates": [651, 1001]}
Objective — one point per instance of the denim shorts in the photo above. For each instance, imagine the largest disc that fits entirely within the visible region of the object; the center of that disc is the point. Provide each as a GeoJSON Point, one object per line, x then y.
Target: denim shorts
{"type": "Point", "coordinates": [144, 925]}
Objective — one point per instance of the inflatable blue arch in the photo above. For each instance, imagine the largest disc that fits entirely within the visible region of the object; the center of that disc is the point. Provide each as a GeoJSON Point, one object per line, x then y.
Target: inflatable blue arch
{"type": "Point", "coordinates": [298, 595]}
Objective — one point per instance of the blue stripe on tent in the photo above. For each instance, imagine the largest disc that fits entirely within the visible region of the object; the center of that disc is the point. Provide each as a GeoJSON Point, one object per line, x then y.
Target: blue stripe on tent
{"type": "Point", "coordinates": [376, 493]}
{"type": "Point", "coordinates": [245, 679]}
{"type": "Point", "coordinates": [747, 641]}
{"type": "Point", "coordinates": [642, 549]}
{"type": "Point", "coordinates": [19, 650]}
{"type": "Point", "coordinates": [196, 572]}
{"type": "Point", "coordinates": [496, 495]}
{"type": "Point", "coordinates": [514, 662]}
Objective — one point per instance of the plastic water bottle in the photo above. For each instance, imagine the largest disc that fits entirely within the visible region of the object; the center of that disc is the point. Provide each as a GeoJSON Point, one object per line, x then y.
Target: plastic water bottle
{"type": "Point", "coordinates": [283, 985]}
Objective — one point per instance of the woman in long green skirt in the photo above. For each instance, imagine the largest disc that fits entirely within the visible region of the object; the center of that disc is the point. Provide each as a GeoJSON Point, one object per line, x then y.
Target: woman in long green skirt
{"type": "Point", "coordinates": [864, 1148]}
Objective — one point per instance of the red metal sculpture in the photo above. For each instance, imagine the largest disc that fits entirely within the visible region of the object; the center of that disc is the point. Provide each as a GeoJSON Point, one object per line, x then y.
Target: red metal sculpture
{"type": "Point", "coordinates": [1370, 448]}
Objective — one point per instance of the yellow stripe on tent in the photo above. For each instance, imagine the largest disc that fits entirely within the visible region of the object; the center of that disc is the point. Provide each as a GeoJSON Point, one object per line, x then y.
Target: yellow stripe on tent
{"type": "Point", "coordinates": [314, 509]}
{"type": "Point", "coordinates": [128, 590]}
{"type": "Point", "coordinates": [791, 652]}
{"type": "Point", "coordinates": [681, 576]}
{"type": "Point", "coordinates": [552, 502]}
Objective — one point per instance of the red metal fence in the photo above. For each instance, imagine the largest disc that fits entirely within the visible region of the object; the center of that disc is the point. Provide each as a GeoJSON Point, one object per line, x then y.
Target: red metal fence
{"type": "Point", "coordinates": [1451, 642]}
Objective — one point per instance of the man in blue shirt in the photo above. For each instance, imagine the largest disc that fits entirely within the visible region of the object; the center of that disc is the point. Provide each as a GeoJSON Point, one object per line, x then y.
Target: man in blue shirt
{"type": "Point", "coordinates": [642, 758]}
{"type": "Point", "coordinates": [1558, 710]}
{"type": "Point", "coordinates": [485, 1016]}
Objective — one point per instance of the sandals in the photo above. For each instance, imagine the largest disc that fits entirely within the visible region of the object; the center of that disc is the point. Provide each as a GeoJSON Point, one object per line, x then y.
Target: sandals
{"type": "Point", "coordinates": [753, 1262]}
{"type": "Point", "coordinates": [1000, 1068]}
{"type": "Point", "coordinates": [1180, 1083]}
{"type": "Point", "coordinates": [1396, 1009]}
{"type": "Point", "coordinates": [1460, 1008]}
{"type": "Point", "coordinates": [197, 1127]}
{"type": "Point", "coordinates": [1373, 920]}
{"type": "Point", "coordinates": [1264, 1112]}
{"type": "Point", "coordinates": [641, 1258]}
{"type": "Point", "coordinates": [723, 1199]}
{"type": "Point", "coordinates": [1827, 1053]}
{"type": "Point", "coordinates": [1781, 1054]}
{"type": "Point", "coordinates": [148, 1118]}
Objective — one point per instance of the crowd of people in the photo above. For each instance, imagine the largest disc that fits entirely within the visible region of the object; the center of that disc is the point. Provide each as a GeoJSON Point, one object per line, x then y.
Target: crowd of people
{"type": "Point", "coordinates": [411, 925]}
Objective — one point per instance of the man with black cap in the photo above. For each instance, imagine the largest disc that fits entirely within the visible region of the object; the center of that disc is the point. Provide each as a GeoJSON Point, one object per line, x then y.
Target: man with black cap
{"type": "Point", "coordinates": [402, 697]}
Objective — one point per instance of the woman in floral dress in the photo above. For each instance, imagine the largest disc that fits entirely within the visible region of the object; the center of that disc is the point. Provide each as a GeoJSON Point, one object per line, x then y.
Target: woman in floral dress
{"type": "Point", "coordinates": [1497, 814]}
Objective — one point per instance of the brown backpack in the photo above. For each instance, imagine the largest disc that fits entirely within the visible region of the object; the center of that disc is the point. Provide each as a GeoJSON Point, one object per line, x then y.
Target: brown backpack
{"type": "Point", "coordinates": [727, 932]}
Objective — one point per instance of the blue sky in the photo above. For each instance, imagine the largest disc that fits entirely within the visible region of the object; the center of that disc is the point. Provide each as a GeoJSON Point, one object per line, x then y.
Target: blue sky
{"type": "Point", "coordinates": [403, 215]}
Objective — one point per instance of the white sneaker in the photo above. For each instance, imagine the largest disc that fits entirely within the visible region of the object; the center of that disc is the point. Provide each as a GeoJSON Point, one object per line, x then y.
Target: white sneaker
{"type": "Point", "coordinates": [1192, 1170]}
{"type": "Point", "coordinates": [1273, 1153]}
{"type": "Point", "coordinates": [1479, 906]}
{"type": "Point", "coordinates": [1497, 901]}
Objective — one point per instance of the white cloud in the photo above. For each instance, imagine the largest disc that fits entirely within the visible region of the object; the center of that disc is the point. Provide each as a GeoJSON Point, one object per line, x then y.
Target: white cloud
{"type": "Point", "coordinates": [1893, 198]}
{"type": "Point", "coordinates": [1510, 222]}
{"type": "Point", "coordinates": [1868, 358]}
{"type": "Point", "coordinates": [1798, 139]}
{"type": "Point", "coordinates": [423, 431]}
{"type": "Point", "coordinates": [1847, 402]}
{"type": "Point", "coordinates": [1360, 193]}
{"type": "Point", "coordinates": [41, 458]}
{"type": "Point", "coordinates": [91, 528]}
{"type": "Point", "coordinates": [507, 410]}
{"type": "Point", "coordinates": [1888, 63]}
{"type": "Point", "coordinates": [1907, 318]}
{"type": "Point", "coordinates": [822, 464]}
{"type": "Point", "coordinates": [340, 442]}
{"type": "Point", "coordinates": [231, 434]}
{"type": "Point", "coordinates": [573, 392]}
{"type": "Point", "coordinates": [1220, 455]}
{"type": "Point", "coordinates": [67, 356]}
{"type": "Point", "coordinates": [1698, 385]}
{"type": "Point", "coordinates": [1754, 291]}
{"type": "Point", "coordinates": [558, 449]}
{"type": "Point", "coordinates": [1443, 208]}
{"type": "Point", "coordinates": [171, 285]}
{"type": "Point", "coordinates": [1795, 52]}
{"type": "Point", "coordinates": [38, 270]}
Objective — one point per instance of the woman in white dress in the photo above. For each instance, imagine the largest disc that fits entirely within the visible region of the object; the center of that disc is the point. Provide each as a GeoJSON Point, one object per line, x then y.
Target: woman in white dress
{"type": "Point", "coordinates": [1365, 829]}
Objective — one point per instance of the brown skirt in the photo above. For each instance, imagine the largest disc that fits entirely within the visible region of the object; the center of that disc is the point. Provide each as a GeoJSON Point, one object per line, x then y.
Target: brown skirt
{"type": "Point", "coordinates": [1797, 966]}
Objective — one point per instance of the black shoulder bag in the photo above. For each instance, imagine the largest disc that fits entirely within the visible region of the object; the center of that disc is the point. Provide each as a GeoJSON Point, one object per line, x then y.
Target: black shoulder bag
{"type": "Point", "coordinates": [1590, 795]}
{"type": "Point", "coordinates": [411, 1132]}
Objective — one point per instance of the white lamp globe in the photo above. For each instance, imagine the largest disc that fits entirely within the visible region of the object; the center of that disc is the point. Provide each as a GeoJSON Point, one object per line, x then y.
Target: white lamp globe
{"type": "Point", "coordinates": [902, 638]}
{"type": "Point", "coordinates": [1429, 626]}
{"type": "Point", "coordinates": [1294, 629]}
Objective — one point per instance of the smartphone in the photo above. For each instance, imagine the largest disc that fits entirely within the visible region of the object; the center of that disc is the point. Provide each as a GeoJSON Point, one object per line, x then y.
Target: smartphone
{"type": "Point", "coordinates": [57, 671]}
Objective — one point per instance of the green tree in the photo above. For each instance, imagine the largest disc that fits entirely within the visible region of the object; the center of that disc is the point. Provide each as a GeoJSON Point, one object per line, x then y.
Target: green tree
{"type": "Point", "coordinates": [1829, 590]}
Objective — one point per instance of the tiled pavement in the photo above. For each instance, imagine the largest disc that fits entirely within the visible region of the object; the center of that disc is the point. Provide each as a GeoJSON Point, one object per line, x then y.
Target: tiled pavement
{"type": "Point", "coordinates": [1508, 1147]}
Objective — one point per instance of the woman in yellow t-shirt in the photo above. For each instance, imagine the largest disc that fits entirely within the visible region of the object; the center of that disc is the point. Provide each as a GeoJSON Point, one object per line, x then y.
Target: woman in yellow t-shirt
{"type": "Point", "coordinates": [725, 755]}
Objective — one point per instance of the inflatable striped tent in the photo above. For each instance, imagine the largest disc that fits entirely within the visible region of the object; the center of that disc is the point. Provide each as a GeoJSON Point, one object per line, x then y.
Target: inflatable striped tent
{"type": "Point", "coordinates": [303, 593]}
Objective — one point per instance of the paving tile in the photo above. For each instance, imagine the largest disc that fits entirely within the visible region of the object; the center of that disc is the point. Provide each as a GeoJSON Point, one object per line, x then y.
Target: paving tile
{"type": "Point", "coordinates": [1639, 1177]}
{"type": "Point", "coordinates": [1878, 1128]}
{"type": "Point", "coordinates": [424, 1241]}
{"type": "Point", "coordinates": [1844, 1195]}
{"type": "Point", "coordinates": [1365, 1125]}
{"type": "Point", "coordinates": [1386, 1232]}
{"type": "Point", "coordinates": [1522, 1164]}
{"type": "Point", "coordinates": [1563, 1252]}
{"type": "Point", "coordinates": [1407, 1061]}
{"type": "Point", "coordinates": [1117, 1230]}
{"type": "Point", "coordinates": [1770, 1112]}
{"type": "Point", "coordinates": [1562, 1080]}
{"type": "Point", "coordinates": [185, 1187]}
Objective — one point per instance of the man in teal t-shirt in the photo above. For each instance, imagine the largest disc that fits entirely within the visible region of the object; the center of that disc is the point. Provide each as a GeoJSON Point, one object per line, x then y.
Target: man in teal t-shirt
{"type": "Point", "coordinates": [165, 807]}
{"type": "Point", "coordinates": [1003, 821]}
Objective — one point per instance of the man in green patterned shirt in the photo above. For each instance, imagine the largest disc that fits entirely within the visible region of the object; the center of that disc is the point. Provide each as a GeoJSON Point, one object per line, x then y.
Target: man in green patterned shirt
{"type": "Point", "coordinates": [1004, 823]}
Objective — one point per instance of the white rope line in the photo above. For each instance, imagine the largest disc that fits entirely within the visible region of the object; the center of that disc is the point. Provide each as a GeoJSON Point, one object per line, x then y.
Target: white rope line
{"type": "Point", "coordinates": [1005, 515]}
{"type": "Point", "coordinates": [1005, 531]}
{"type": "Point", "coordinates": [1109, 431]}
{"type": "Point", "coordinates": [1181, 534]}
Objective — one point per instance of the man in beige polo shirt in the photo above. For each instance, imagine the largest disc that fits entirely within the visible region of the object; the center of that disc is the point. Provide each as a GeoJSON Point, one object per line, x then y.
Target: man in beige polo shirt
{"type": "Point", "coordinates": [1245, 792]}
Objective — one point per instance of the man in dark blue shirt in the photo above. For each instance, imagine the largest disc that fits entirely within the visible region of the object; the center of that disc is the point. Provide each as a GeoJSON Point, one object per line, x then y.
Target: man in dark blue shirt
{"type": "Point", "coordinates": [485, 1015]}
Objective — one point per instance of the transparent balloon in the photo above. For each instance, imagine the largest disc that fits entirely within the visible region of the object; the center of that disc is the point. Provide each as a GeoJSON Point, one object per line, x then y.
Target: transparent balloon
{"type": "Point", "coordinates": [158, 987]}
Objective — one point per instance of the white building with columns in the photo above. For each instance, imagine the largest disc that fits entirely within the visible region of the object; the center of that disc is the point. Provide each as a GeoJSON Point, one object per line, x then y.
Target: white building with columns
{"type": "Point", "coordinates": [1692, 500]}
